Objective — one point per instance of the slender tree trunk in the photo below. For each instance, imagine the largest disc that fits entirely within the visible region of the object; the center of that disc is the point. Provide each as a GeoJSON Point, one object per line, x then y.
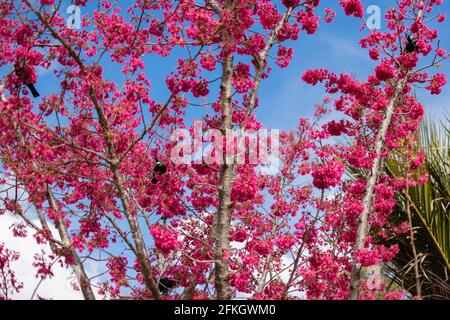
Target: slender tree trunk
{"type": "Point", "coordinates": [222, 223]}
{"type": "Point", "coordinates": [141, 251]}
{"type": "Point", "coordinates": [113, 162]}
{"type": "Point", "coordinates": [76, 264]}
{"type": "Point", "coordinates": [136, 232]}
{"type": "Point", "coordinates": [363, 226]}
{"type": "Point", "coordinates": [363, 223]}
{"type": "Point", "coordinates": [262, 59]}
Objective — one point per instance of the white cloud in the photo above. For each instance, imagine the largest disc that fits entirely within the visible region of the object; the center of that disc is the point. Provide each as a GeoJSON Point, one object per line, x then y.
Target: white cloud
{"type": "Point", "coordinates": [58, 287]}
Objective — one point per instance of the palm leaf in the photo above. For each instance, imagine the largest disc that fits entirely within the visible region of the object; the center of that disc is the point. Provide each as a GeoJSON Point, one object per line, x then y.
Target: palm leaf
{"type": "Point", "coordinates": [430, 203]}
{"type": "Point", "coordinates": [430, 207]}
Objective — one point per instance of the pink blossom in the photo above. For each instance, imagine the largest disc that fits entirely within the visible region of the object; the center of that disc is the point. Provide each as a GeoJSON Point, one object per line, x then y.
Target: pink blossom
{"type": "Point", "coordinates": [436, 83]}
{"type": "Point", "coordinates": [384, 71]}
{"type": "Point", "coordinates": [284, 56]}
{"type": "Point", "coordinates": [291, 3]}
{"type": "Point", "coordinates": [328, 175]}
{"type": "Point", "coordinates": [353, 7]}
{"type": "Point", "coordinates": [165, 239]}
{"type": "Point", "coordinates": [314, 76]}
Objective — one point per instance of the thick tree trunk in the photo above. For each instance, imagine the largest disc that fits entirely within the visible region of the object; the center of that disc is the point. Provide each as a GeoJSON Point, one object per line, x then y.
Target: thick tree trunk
{"type": "Point", "coordinates": [363, 222]}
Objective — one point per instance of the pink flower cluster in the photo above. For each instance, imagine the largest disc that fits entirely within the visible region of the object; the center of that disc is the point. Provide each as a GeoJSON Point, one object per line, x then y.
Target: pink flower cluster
{"type": "Point", "coordinates": [353, 7]}
{"type": "Point", "coordinates": [436, 83]}
{"type": "Point", "coordinates": [327, 175]}
{"type": "Point", "coordinates": [166, 239]}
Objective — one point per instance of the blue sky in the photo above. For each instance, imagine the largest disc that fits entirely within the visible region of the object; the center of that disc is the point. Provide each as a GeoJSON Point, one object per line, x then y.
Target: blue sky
{"type": "Point", "coordinates": [284, 98]}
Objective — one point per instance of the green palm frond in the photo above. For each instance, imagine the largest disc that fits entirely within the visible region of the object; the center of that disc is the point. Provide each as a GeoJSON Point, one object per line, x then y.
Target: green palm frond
{"type": "Point", "coordinates": [430, 205]}
{"type": "Point", "coordinates": [430, 208]}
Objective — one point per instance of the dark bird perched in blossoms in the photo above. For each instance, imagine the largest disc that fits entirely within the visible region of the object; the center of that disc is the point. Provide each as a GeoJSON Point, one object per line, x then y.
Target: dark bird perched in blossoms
{"type": "Point", "coordinates": [411, 44]}
{"type": "Point", "coordinates": [25, 76]}
{"type": "Point", "coordinates": [160, 168]}
{"type": "Point", "coordinates": [166, 284]}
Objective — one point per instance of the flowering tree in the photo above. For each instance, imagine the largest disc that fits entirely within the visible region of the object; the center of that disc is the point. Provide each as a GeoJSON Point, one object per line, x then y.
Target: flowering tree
{"type": "Point", "coordinates": [384, 116]}
{"type": "Point", "coordinates": [88, 168]}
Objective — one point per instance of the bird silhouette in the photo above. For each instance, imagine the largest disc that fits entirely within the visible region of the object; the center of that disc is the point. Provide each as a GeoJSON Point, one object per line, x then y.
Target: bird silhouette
{"type": "Point", "coordinates": [160, 168]}
{"type": "Point", "coordinates": [33, 90]}
{"type": "Point", "coordinates": [165, 285]}
{"type": "Point", "coordinates": [411, 44]}
{"type": "Point", "coordinates": [24, 75]}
